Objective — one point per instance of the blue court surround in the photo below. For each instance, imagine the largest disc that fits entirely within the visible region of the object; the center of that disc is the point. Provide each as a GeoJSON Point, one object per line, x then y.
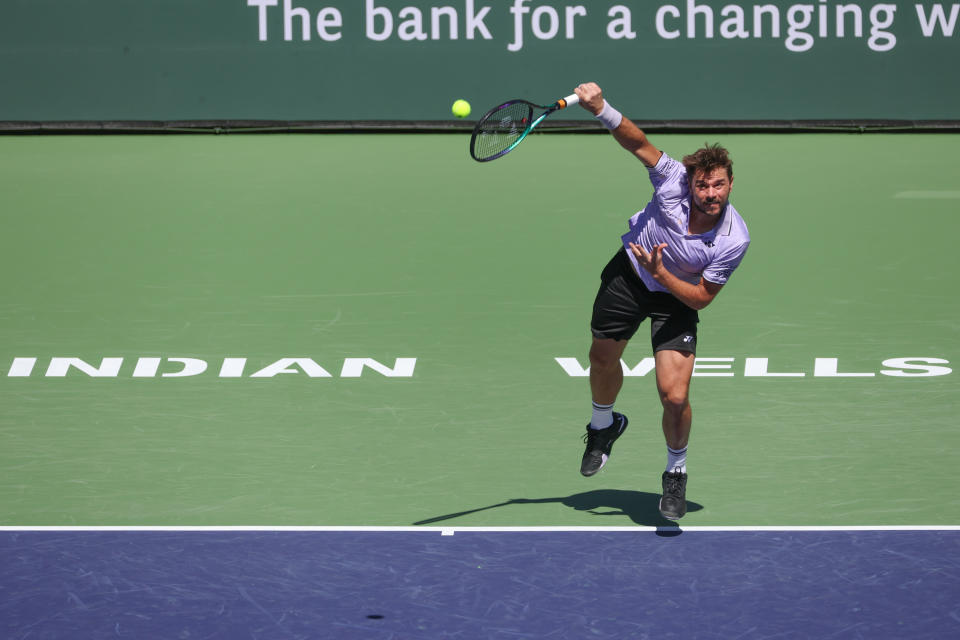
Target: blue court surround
{"type": "Point", "coordinates": [479, 584]}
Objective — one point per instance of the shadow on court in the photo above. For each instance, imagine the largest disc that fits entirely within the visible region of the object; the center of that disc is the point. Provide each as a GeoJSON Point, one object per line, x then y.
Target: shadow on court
{"type": "Point", "coordinates": [641, 507]}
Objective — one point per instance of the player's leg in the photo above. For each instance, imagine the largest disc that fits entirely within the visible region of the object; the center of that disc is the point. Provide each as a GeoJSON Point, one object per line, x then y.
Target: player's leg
{"type": "Point", "coordinates": [673, 335]}
{"type": "Point", "coordinates": [674, 370]}
{"type": "Point", "coordinates": [616, 317]}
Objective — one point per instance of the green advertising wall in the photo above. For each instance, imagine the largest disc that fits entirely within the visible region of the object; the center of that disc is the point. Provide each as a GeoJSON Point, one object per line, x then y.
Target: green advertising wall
{"type": "Point", "coordinates": [347, 60]}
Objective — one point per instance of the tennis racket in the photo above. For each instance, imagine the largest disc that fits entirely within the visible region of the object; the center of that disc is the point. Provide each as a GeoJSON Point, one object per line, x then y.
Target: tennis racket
{"type": "Point", "coordinates": [502, 128]}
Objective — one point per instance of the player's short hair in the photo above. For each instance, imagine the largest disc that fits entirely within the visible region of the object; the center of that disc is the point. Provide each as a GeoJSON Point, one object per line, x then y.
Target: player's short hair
{"type": "Point", "coordinates": [707, 159]}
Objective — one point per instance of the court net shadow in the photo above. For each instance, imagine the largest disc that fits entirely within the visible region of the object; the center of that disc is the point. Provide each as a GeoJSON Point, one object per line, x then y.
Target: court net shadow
{"type": "Point", "coordinates": [640, 507]}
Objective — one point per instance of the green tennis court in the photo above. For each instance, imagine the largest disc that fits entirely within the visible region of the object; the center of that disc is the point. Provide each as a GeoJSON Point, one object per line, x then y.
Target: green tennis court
{"type": "Point", "coordinates": [331, 330]}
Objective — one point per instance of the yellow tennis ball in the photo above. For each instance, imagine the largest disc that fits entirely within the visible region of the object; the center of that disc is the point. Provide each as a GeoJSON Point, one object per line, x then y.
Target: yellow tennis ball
{"type": "Point", "coordinates": [461, 108]}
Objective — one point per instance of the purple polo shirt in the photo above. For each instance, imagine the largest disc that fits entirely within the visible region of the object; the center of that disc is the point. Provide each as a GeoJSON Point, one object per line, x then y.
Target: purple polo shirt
{"type": "Point", "coordinates": [713, 255]}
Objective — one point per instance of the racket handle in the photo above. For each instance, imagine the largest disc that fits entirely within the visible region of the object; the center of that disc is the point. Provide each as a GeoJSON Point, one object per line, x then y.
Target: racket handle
{"type": "Point", "coordinates": [569, 101]}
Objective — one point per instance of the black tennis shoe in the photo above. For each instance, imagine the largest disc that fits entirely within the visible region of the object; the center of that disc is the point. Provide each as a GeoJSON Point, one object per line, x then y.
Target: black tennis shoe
{"type": "Point", "coordinates": [673, 503]}
{"type": "Point", "coordinates": [599, 443]}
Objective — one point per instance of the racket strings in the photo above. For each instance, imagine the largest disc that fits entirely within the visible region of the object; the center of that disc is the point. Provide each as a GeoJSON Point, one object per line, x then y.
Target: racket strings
{"type": "Point", "coordinates": [501, 129]}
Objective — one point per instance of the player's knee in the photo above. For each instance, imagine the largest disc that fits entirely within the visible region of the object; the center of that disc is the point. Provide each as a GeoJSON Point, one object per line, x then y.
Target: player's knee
{"type": "Point", "coordinates": [604, 359]}
{"type": "Point", "coordinates": [674, 401]}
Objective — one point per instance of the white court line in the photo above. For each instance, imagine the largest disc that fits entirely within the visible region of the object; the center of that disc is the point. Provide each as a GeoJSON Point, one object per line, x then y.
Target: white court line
{"type": "Point", "coordinates": [448, 531]}
{"type": "Point", "coordinates": [928, 195]}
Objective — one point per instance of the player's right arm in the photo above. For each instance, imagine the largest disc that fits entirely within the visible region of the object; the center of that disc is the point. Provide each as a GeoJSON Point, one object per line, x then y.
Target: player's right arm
{"type": "Point", "coordinates": [629, 135]}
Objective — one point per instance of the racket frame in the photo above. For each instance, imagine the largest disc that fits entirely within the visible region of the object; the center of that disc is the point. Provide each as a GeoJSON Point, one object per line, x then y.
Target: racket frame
{"type": "Point", "coordinates": [562, 103]}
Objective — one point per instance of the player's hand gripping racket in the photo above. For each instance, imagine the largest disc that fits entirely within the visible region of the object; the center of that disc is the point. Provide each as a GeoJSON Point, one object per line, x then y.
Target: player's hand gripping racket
{"type": "Point", "coordinates": [502, 128]}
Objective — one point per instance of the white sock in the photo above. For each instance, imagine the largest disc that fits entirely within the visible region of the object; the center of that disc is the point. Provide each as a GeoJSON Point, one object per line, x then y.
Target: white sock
{"type": "Point", "coordinates": [676, 460]}
{"type": "Point", "coordinates": [602, 416]}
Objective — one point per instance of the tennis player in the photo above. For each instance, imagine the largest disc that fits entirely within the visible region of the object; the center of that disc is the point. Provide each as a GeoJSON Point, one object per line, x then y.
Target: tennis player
{"type": "Point", "coordinates": [676, 257]}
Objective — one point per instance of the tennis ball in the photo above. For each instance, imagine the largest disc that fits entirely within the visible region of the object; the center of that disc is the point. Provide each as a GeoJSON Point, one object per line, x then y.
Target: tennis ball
{"type": "Point", "coordinates": [461, 108]}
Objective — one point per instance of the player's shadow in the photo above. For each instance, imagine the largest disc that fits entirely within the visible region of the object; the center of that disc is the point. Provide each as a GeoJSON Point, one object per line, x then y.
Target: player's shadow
{"type": "Point", "coordinates": [639, 506]}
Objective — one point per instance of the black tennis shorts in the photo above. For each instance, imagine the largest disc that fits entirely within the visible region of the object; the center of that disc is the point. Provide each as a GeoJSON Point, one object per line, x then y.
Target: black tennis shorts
{"type": "Point", "coordinates": [624, 302]}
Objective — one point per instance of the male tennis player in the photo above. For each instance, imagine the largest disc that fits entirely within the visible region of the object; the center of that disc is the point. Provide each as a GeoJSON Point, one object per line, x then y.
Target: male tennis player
{"type": "Point", "coordinates": [679, 252]}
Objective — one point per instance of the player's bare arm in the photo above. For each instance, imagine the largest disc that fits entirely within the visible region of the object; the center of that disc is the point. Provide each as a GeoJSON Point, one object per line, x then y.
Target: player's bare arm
{"type": "Point", "coordinates": [629, 135]}
{"type": "Point", "coordinates": [695, 296]}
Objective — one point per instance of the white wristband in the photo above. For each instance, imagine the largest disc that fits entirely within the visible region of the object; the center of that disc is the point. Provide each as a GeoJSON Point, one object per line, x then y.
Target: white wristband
{"type": "Point", "coordinates": [609, 117]}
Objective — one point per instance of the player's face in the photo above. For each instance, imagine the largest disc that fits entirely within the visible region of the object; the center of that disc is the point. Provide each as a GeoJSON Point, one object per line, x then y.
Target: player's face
{"type": "Point", "coordinates": [710, 191]}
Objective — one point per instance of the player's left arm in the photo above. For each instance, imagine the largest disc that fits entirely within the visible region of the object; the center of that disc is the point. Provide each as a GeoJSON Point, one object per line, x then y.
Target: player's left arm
{"type": "Point", "coordinates": [696, 296]}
